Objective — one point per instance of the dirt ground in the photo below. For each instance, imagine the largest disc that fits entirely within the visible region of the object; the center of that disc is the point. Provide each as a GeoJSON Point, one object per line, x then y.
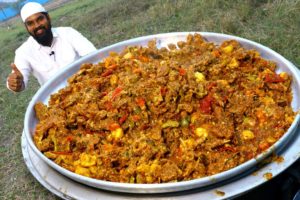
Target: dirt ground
{"type": "Point", "coordinates": [55, 4]}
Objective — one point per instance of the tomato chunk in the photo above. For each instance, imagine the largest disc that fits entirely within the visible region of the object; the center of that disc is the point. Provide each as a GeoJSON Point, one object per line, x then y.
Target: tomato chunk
{"type": "Point", "coordinates": [275, 78]}
{"type": "Point", "coordinates": [206, 104]}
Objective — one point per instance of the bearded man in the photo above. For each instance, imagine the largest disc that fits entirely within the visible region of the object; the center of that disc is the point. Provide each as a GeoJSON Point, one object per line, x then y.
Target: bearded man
{"type": "Point", "coordinates": [46, 51]}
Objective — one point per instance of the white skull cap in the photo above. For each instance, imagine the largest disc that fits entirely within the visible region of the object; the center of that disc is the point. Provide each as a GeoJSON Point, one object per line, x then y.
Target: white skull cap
{"type": "Point", "coordinates": [31, 8]}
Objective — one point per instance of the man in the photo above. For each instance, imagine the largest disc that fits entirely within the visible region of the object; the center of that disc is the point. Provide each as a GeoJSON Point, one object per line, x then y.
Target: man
{"type": "Point", "coordinates": [47, 49]}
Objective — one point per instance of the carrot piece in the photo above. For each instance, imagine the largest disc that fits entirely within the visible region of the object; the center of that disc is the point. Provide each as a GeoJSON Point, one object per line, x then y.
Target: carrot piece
{"type": "Point", "coordinates": [216, 53]}
{"type": "Point", "coordinates": [136, 118]}
{"type": "Point", "coordinates": [123, 118]}
{"type": "Point", "coordinates": [182, 71]}
{"type": "Point", "coordinates": [107, 73]}
{"type": "Point", "coordinates": [69, 138]}
{"type": "Point", "coordinates": [116, 92]}
{"type": "Point", "coordinates": [143, 58]}
{"type": "Point", "coordinates": [113, 126]}
{"type": "Point", "coordinates": [263, 146]}
{"type": "Point", "coordinates": [163, 91]}
{"type": "Point", "coordinates": [141, 102]}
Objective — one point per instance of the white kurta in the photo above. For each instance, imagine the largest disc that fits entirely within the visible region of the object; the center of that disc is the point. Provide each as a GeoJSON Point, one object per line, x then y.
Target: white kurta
{"type": "Point", "coordinates": [43, 62]}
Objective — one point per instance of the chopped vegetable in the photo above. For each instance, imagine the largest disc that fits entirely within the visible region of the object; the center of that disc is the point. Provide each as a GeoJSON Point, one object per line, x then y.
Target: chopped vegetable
{"type": "Point", "coordinates": [123, 119]}
{"type": "Point", "coordinates": [113, 126]}
{"type": "Point", "coordinates": [128, 55]}
{"type": "Point", "coordinates": [184, 122]}
{"type": "Point", "coordinates": [107, 73]}
{"type": "Point", "coordinates": [182, 71]}
{"type": "Point", "coordinates": [274, 78]}
{"type": "Point", "coordinates": [228, 49]}
{"type": "Point", "coordinates": [87, 160]}
{"type": "Point", "coordinates": [247, 135]}
{"type": "Point", "coordinates": [206, 104]}
{"type": "Point", "coordinates": [116, 93]}
{"type": "Point", "coordinates": [233, 63]}
{"type": "Point", "coordinates": [201, 133]}
{"type": "Point", "coordinates": [170, 123]}
{"type": "Point", "coordinates": [118, 133]}
{"type": "Point", "coordinates": [141, 102]}
{"type": "Point", "coordinates": [199, 77]}
{"type": "Point", "coordinates": [113, 79]}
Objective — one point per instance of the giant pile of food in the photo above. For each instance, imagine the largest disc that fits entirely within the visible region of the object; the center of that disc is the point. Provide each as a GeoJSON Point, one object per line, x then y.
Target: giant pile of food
{"type": "Point", "coordinates": [149, 115]}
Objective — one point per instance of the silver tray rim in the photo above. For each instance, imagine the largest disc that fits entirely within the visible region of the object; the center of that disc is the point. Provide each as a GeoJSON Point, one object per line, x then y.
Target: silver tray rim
{"type": "Point", "coordinates": [59, 81]}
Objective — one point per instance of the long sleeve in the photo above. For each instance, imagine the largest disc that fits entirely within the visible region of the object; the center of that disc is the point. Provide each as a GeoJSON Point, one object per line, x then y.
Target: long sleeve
{"type": "Point", "coordinates": [23, 65]}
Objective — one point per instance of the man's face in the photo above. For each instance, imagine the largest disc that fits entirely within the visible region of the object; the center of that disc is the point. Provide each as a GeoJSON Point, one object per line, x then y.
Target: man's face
{"type": "Point", "coordinates": [39, 27]}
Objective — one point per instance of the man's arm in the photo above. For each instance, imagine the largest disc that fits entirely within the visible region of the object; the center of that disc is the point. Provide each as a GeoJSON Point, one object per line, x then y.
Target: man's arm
{"type": "Point", "coordinates": [20, 67]}
{"type": "Point", "coordinates": [15, 80]}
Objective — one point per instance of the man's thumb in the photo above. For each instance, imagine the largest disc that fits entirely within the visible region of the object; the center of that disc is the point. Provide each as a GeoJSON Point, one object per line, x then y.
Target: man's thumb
{"type": "Point", "coordinates": [15, 69]}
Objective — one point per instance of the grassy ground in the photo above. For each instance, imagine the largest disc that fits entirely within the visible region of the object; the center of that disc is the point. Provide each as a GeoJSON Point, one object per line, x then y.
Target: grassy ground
{"type": "Point", "coordinates": [275, 24]}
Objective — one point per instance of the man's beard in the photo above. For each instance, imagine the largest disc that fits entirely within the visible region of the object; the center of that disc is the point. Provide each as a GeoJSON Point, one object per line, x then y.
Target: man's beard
{"type": "Point", "coordinates": [44, 39]}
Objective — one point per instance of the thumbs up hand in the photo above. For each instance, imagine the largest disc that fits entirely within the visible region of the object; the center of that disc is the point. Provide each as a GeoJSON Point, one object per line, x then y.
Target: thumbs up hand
{"type": "Point", "coordinates": [15, 79]}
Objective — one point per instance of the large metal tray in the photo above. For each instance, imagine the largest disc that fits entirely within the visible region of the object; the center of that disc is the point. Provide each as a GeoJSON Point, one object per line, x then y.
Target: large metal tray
{"type": "Point", "coordinates": [60, 80]}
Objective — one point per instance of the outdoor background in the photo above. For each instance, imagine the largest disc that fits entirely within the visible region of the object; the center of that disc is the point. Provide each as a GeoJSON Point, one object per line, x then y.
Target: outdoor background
{"type": "Point", "coordinates": [275, 24]}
